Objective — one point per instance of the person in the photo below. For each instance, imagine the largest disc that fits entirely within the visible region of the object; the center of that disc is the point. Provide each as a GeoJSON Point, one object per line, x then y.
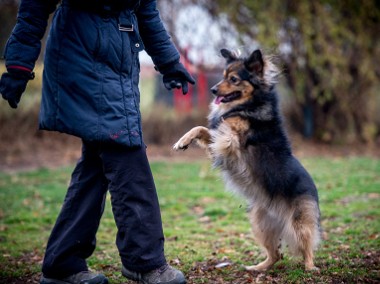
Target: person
{"type": "Point", "coordinates": [90, 90]}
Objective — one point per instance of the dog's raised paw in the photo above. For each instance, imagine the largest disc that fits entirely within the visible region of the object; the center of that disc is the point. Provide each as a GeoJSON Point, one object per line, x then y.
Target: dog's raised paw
{"type": "Point", "coordinates": [179, 146]}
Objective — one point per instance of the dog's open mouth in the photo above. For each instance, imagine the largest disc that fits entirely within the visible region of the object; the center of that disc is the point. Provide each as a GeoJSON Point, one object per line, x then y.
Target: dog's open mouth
{"type": "Point", "coordinates": [227, 98]}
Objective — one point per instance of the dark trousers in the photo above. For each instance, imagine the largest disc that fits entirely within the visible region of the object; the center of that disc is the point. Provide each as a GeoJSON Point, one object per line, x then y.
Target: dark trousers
{"type": "Point", "coordinates": [125, 172]}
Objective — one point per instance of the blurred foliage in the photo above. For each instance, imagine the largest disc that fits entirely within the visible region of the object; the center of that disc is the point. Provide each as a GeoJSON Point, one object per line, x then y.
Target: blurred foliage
{"type": "Point", "coordinates": [330, 51]}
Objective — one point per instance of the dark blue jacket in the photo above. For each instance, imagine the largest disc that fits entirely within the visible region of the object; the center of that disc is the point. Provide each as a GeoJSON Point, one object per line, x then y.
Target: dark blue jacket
{"type": "Point", "coordinates": [91, 67]}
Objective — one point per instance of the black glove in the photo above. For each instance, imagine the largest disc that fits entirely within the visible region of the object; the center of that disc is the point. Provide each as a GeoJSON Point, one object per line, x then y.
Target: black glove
{"type": "Point", "coordinates": [13, 84]}
{"type": "Point", "coordinates": [176, 76]}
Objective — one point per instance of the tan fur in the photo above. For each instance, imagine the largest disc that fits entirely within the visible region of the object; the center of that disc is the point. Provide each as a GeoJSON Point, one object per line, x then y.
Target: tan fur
{"type": "Point", "coordinates": [199, 134]}
{"type": "Point", "coordinates": [297, 227]}
{"type": "Point", "coordinates": [226, 87]}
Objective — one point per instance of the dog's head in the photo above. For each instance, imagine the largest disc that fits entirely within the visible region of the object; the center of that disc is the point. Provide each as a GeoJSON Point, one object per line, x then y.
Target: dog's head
{"type": "Point", "coordinates": [243, 76]}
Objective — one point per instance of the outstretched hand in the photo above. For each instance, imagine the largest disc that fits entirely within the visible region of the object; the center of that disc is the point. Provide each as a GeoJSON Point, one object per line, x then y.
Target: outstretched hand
{"type": "Point", "coordinates": [176, 76]}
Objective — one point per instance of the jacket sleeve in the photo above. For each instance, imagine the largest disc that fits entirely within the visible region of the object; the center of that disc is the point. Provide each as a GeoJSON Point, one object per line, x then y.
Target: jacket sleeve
{"type": "Point", "coordinates": [24, 45]}
{"type": "Point", "coordinates": [156, 39]}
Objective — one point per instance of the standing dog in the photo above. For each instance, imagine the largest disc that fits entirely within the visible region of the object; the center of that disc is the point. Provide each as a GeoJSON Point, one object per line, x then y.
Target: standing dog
{"type": "Point", "coordinates": [247, 141]}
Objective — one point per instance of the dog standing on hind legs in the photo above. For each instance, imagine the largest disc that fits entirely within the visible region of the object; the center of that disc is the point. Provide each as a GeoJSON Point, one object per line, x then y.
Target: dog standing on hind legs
{"type": "Point", "coordinates": [247, 142]}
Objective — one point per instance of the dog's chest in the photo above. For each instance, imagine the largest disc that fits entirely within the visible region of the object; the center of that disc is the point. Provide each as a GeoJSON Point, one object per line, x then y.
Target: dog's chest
{"type": "Point", "coordinates": [236, 162]}
{"type": "Point", "coordinates": [228, 141]}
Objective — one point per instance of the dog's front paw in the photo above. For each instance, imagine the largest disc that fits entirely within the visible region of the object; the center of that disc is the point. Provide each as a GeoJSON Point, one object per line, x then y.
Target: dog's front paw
{"type": "Point", "coordinates": [199, 134]}
{"type": "Point", "coordinates": [180, 145]}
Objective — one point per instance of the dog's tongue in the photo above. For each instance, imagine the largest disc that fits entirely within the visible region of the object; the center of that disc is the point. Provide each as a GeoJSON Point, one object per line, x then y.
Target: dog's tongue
{"type": "Point", "coordinates": [218, 99]}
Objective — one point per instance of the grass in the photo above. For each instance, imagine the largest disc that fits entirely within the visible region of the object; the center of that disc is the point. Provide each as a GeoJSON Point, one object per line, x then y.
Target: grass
{"type": "Point", "coordinates": [205, 226]}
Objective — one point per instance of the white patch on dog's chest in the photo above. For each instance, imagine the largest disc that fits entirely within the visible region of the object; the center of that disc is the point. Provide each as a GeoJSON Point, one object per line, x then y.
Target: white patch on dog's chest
{"type": "Point", "coordinates": [234, 162]}
{"type": "Point", "coordinates": [225, 144]}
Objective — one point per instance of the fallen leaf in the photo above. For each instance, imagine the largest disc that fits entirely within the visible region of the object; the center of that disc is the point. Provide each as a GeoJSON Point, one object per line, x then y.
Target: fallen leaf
{"type": "Point", "coordinates": [223, 264]}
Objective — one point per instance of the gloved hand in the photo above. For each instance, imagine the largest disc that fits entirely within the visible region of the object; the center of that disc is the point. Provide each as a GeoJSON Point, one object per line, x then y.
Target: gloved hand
{"type": "Point", "coordinates": [13, 84]}
{"type": "Point", "coordinates": [176, 76]}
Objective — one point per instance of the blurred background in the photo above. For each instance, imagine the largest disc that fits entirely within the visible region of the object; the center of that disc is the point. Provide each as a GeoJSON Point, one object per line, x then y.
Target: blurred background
{"type": "Point", "coordinates": [328, 51]}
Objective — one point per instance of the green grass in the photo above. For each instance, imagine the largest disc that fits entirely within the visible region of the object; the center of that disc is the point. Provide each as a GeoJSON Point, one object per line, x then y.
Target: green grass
{"type": "Point", "coordinates": [205, 225]}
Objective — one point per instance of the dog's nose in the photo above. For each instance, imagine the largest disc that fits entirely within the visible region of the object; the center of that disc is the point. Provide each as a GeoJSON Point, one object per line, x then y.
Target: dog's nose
{"type": "Point", "coordinates": [214, 90]}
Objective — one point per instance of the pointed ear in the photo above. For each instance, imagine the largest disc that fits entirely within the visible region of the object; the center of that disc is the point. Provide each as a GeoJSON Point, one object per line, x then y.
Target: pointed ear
{"type": "Point", "coordinates": [228, 55]}
{"type": "Point", "coordinates": [255, 62]}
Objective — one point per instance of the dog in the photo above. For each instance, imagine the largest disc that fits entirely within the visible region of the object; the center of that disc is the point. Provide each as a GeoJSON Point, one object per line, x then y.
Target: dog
{"type": "Point", "coordinates": [246, 140]}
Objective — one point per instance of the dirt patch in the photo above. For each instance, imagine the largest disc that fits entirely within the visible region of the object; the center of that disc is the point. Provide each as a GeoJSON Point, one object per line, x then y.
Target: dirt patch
{"type": "Point", "coordinates": [56, 150]}
{"type": "Point", "coordinates": [40, 150]}
{"type": "Point", "coordinates": [18, 264]}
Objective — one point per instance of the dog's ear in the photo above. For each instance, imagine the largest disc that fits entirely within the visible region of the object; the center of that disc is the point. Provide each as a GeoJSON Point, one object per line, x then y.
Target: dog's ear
{"type": "Point", "coordinates": [228, 55]}
{"type": "Point", "coordinates": [255, 63]}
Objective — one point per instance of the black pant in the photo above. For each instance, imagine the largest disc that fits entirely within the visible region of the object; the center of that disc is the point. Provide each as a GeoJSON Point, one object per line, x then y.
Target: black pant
{"type": "Point", "coordinates": [126, 173]}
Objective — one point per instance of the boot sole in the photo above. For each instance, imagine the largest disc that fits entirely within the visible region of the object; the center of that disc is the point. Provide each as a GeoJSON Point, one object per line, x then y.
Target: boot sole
{"type": "Point", "coordinates": [45, 280]}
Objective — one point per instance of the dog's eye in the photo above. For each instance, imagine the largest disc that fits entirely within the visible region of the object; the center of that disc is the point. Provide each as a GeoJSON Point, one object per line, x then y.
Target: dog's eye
{"type": "Point", "coordinates": [234, 79]}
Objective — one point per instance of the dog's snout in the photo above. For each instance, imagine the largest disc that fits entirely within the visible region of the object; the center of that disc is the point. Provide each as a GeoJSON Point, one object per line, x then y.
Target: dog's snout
{"type": "Point", "coordinates": [214, 90]}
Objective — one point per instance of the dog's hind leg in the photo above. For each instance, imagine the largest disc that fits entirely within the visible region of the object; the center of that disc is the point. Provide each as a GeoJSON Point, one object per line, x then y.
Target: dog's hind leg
{"type": "Point", "coordinates": [200, 134]}
{"type": "Point", "coordinates": [306, 231]}
{"type": "Point", "coordinates": [267, 232]}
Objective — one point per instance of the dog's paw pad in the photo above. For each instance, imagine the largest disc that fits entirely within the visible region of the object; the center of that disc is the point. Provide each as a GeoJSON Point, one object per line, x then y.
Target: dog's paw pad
{"type": "Point", "coordinates": [179, 146]}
